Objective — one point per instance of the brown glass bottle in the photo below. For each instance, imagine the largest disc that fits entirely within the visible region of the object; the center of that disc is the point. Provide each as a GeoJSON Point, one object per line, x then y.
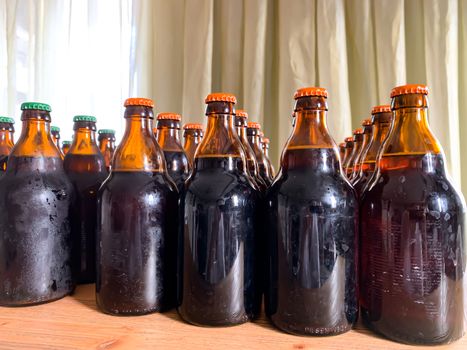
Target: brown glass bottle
{"type": "Point", "coordinates": [168, 137]}
{"type": "Point", "coordinates": [413, 257]}
{"type": "Point", "coordinates": [349, 145]}
{"type": "Point", "coordinates": [55, 132]}
{"type": "Point", "coordinates": [341, 151]}
{"type": "Point", "coordinates": [219, 282]}
{"type": "Point", "coordinates": [382, 121]}
{"type": "Point", "coordinates": [193, 134]}
{"type": "Point", "coordinates": [367, 127]}
{"type": "Point", "coordinates": [6, 141]}
{"type": "Point", "coordinates": [35, 197]}
{"type": "Point", "coordinates": [85, 167]}
{"type": "Point", "coordinates": [137, 228]}
{"type": "Point", "coordinates": [357, 148]}
{"type": "Point", "coordinates": [240, 122]}
{"type": "Point", "coordinates": [66, 146]}
{"type": "Point", "coordinates": [254, 140]}
{"type": "Point", "coordinates": [312, 230]}
{"type": "Point", "coordinates": [107, 140]}
{"type": "Point", "coordinates": [265, 147]}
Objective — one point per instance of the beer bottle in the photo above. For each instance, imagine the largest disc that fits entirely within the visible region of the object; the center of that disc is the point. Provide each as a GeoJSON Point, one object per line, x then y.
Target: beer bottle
{"type": "Point", "coordinates": [312, 226]}
{"type": "Point", "coordinates": [382, 120]}
{"type": "Point", "coordinates": [219, 264]}
{"type": "Point", "coordinates": [107, 140]}
{"type": "Point", "coordinates": [341, 151]}
{"type": "Point", "coordinates": [367, 126]}
{"type": "Point", "coordinates": [413, 233]}
{"type": "Point", "coordinates": [168, 137]}
{"type": "Point", "coordinates": [357, 142]}
{"type": "Point", "coordinates": [138, 207]}
{"type": "Point", "coordinates": [35, 197]}
{"type": "Point", "coordinates": [254, 140]}
{"type": "Point", "coordinates": [193, 134]}
{"type": "Point", "coordinates": [265, 147]}
{"type": "Point", "coordinates": [6, 141]}
{"type": "Point", "coordinates": [349, 144]}
{"type": "Point", "coordinates": [240, 121]}
{"type": "Point", "coordinates": [66, 147]}
{"type": "Point", "coordinates": [85, 167]}
{"type": "Point", "coordinates": [55, 132]}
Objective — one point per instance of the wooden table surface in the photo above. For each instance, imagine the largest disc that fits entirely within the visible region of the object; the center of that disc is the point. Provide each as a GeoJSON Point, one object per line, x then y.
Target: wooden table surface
{"type": "Point", "coordinates": [75, 323]}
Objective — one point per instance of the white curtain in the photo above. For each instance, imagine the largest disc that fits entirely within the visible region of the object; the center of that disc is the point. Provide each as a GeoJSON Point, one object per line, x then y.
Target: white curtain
{"type": "Point", "coordinates": [87, 56]}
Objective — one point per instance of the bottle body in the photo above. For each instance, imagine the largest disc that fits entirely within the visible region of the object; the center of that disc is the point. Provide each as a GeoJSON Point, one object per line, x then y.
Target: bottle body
{"type": "Point", "coordinates": [412, 236]}
{"type": "Point", "coordinates": [35, 235]}
{"type": "Point", "coordinates": [137, 225]}
{"type": "Point", "coordinates": [107, 145]}
{"type": "Point", "coordinates": [85, 167]}
{"type": "Point", "coordinates": [193, 134]}
{"type": "Point", "coordinates": [312, 216]}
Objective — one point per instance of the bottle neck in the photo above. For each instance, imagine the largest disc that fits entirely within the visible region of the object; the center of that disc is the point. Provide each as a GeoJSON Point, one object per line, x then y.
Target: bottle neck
{"type": "Point", "coordinates": [139, 150]}
{"type": "Point", "coordinates": [6, 138]}
{"type": "Point", "coordinates": [106, 143]}
{"type": "Point", "coordinates": [84, 142]}
{"type": "Point", "coordinates": [266, 151]}
{"type": "Point", "coordinates": [380, 133]}
{"type": "Point", "coordinates": [168, 137]}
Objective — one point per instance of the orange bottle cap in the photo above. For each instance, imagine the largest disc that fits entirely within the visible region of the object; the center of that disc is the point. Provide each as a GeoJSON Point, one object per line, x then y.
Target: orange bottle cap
{"type": "Point", "coordinates": [381, 109]}
{"type": "Point", "coordinates": [253, 125]}
{"type": "Point", "coordinates": [265, 140]}
{"type": "Point", "coordinates": [310, 91]}
{"type": "Point", "coordinates": [367, 122]}
{"type": "Point", "coordinates": [221, 97]}
{"type": "Point", "coordinates": [169, 116]}
{"type": "Point", "coordinates": [349, 139]}
{"type": "Point", "coordinates": [193, 126]}
{"type": "Point", "coordinates": [241, 113]}
{"type": "Point", "coordinates": [342, 145]}
{"type": "Point", "coordinates": [409, 89]}
{"type": "Point", "coordinates": [139, 101]}
{"type": "Point", "coordinates": [358, 131]}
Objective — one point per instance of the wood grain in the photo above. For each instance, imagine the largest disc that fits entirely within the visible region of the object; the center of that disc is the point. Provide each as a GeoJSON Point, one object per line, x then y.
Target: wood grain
{"type": "Point", "coordinates": [75, 323]}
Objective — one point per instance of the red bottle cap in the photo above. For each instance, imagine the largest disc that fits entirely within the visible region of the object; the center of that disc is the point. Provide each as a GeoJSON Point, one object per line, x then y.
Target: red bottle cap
{"type": "Point", "coordinates": [220, 97]}
{"type": "Point", "coordinates": [253, 125]}
{"type": "Point", "coordinates": [311, 91]}
{"type": "Point", "coordinates": [409, 89]}
{"type": "Point", "coordinates": [241, 113]}
{"type": "Point", "coordinates": [139, 101]}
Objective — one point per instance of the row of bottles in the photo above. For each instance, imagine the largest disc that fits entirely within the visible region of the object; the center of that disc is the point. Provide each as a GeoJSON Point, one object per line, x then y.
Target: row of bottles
{"type": "Point", "coordinates": [211, 231]}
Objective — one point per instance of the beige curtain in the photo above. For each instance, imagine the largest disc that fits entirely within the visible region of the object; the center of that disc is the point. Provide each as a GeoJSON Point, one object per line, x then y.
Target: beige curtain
{"type": "Point", "coordinates": [178, 51]}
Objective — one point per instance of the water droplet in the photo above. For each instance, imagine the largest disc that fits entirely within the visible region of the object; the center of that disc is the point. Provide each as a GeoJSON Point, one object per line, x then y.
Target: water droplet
{"type": "Point", "coordinates": [402, 179]}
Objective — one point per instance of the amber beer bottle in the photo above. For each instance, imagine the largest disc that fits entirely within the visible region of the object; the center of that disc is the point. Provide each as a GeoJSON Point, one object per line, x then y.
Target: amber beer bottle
{"type": "Point", "coordinates": [219, 262]}
{"type": "Point", "coordinates": [240, 122]}
{"type": "Point", "coordinates": [6, 141]}
{"type": "Point", "coordinates": [193, 134]}
{"type": "Point", "coordinates": [168, 137]}
{"type": "Point", "coordinates": [55, 132]}
{"type": "Point", "coordinates": [265, 147]}
{"type": "Point", "coordinates": [137, 249]}
{"type": "Point", "coordinates": [66, 147]}
{"type": "Point", "coordinates": [357, 148]}
{"type": "Point", "coordinates": [349, 145]}
{"type": "Point", "coordinates": [382, 121]}
{"type": "Point", "coordinates": [342, 150]}
{"type": "Point", "coordinates": [253, 130]}
{"type": "Point", "coordinates": [312, 226]}
{"type": "Point", "coordinates": [367, 127]}
{"type": "Point", "coordinates": [35, 197]}
{"type": "Point", "coordinates": [107, 140]}
{"type": "Point", "coordinates": [85, 167]}
{"type": "Point", "coordinates": [413, 254]}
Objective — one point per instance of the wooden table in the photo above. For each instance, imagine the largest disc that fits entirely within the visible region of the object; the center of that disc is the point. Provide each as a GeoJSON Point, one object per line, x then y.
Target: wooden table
{"type": "Point", "coordinates": [75, 323]}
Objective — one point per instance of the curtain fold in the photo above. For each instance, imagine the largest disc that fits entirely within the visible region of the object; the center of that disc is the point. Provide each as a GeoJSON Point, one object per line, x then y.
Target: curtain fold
{"type": "Point", "coordinates": [87, 56]}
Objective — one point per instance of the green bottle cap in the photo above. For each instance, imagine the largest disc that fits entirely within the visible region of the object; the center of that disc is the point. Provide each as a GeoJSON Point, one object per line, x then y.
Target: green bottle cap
{"type": "Point", "coordinates": [54, 129]}
{"type": "Point", "coordinates": [7, 120]}
{"type": "Point", "coordinates": [84, 118]}
{"type": "Point", "coordinates": [36, 105]}
{"type": "Point", "coordinates": [106, 131]}
{"type": "Point", "coordinates": [66, 143]}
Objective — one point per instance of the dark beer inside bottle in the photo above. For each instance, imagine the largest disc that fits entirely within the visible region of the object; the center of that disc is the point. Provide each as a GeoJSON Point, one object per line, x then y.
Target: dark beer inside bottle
{"type": "Point", "coordinates": [413, 236]}
{"type": "Point", "coordinates": [218, 260]}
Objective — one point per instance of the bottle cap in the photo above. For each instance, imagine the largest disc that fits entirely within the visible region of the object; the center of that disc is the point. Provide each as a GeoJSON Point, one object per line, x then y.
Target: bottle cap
{"type": "Point", "coordinates": [311, 91]}
{"type": "Point", "coordinates": [64, 143]}
{"type": "Point", "coordinates": [253, 125]}
{"type": "Point", "coordinates": [139, 101]}
{"type": "Point", "coordinates": [348, 139]}
{"type": "Point", "coordinates": [409, 89]}
{"type": "Point", "coordinates": [36, 106]}
{"type": "Point", "coordinates": [7, 120]}
{"type": "Point", "coordinates": [241, 113]}
{"type": "Point", "coordinates": [193, 126]}
{"type": "Point", "coordinates": [367, 122]}
{"type": "Point", "coordinates": [169, 116]}
{"type": "Point", "coordinates": [381, 109]}
{"type": "Point", "coordinates": [220, 97]}
{"type": "Point", "coordinates": [54, 129]}
{"type": "Point", "coordinates": [84, 118]}
{"type": "Point", "coordinates": [265, 140]}
{"type": "Point", "coordinates": [106, 131]}
{"type": "Point", "coordinates": [342, 145]}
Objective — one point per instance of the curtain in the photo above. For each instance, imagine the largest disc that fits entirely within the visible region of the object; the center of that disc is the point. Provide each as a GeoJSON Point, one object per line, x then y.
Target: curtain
{"type": "Point", "coordinates": [88, 58]}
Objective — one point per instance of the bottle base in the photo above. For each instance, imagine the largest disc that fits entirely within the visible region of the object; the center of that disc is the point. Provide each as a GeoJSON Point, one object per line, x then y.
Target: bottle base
{"type": "Point", "coordinates": [34, 302]}
{"type": "Point", "coordinates": [214, 323]}
{"type": "Point", "coordinates": [313, 331]}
